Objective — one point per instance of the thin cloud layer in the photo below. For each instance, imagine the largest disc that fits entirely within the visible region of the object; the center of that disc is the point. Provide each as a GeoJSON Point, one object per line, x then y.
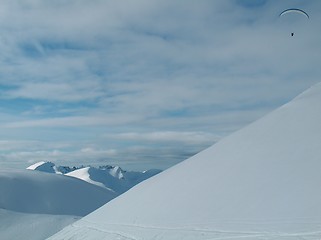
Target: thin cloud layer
{"type": "Point", "coordinates": [113, 76]}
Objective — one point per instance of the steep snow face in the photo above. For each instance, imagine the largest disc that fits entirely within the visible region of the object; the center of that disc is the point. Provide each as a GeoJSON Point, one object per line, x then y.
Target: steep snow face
{"type": "Point", "coordinates": [262, 182]}
{"type": "Point", "coordinates": [37, 192]}
{"type": "Point", "coordinates": [117, 172]}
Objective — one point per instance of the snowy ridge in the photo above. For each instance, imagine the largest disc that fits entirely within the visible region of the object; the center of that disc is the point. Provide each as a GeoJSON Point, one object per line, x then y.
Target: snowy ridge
{"type": "Point", "coordinates": [44, 167]}
{"type": "Point", "coordinates": [50, 167]}
{"type": "Point", "coordinates": [262, 182]}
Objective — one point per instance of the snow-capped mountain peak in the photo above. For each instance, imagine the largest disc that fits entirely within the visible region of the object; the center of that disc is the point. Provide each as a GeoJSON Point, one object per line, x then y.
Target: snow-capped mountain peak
{"type": "Point", "coordinates": [42, 166]}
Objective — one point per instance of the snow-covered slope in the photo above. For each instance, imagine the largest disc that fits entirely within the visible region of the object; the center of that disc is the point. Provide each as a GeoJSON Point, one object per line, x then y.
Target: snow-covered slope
{"type": "Point", "coordinates": [17, 226]}
{"type": "Point", "coordinates": [37, 192]}
{"type": "Point", "coordinates": [262, 182]}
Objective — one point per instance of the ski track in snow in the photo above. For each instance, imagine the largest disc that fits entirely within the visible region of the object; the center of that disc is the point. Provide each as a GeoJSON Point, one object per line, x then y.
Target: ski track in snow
{"type": "Point", "coordinates": [86, 233]}
{"type": "Point", "coordinates": [161, 233]}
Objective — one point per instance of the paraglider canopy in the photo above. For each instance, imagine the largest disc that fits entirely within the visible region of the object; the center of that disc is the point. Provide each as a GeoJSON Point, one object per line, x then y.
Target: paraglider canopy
{"type": "Point", "coordinates": [294, 10]}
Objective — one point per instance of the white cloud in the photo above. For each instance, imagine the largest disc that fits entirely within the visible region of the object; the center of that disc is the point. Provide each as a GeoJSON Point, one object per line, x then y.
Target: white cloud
{"type": "Point", "coordinates": [73, 121]}
{"type": "Point", "coordinates": [159, 71]}
{"type": "Point", "coordinates": [168, 136]}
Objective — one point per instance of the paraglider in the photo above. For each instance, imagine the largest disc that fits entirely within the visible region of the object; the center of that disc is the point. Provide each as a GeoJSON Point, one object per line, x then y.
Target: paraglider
{"type": "Point", "coordinates": [295, 11]}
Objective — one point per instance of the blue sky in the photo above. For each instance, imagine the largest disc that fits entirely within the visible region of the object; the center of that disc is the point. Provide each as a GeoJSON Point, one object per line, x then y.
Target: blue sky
{"type": "Point", "coordinates": [145, 84]}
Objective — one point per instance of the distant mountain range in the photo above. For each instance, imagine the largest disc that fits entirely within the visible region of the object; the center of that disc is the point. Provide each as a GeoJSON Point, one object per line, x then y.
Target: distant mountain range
{"type": "Point", "coordinates": [110, 177]}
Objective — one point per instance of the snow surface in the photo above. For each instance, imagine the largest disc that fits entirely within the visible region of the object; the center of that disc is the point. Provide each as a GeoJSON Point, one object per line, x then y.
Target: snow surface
{"type": "Point", "coordinates": [15, 225]}
{"type": "Point", "coordinates": [262, 182]}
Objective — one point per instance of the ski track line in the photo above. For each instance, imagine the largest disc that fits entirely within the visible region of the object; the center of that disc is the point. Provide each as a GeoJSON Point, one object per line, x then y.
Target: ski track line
{"type": "Point", "coordinates": [181, 229]}
{"type": "Point", "coordinates": [277, 236]}
{"type": "Point", "coordinates": [122, 235]}
{"type": "Point", "coordinates": [232, 234]}
{"type": "Point", "coordinates": [236, 234]}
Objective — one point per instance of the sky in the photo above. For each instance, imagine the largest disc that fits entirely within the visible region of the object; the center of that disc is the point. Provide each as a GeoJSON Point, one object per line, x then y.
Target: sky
{"type": "Point", "coordinates": [145, 84]}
